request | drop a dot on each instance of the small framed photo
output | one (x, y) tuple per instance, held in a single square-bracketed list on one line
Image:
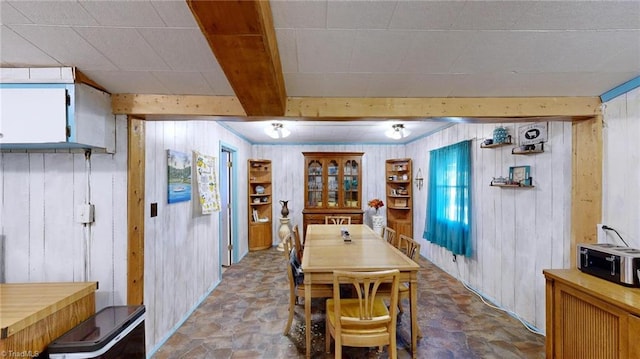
[(520, 175)]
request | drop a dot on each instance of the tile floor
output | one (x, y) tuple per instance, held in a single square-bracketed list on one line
[(244, 317)]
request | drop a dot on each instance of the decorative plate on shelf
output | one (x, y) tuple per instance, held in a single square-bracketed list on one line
[(259, 190)]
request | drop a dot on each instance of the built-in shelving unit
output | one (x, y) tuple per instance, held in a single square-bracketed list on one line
[(399, 203), (260, 202)]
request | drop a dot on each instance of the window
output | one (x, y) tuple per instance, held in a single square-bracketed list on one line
[(448, 218)]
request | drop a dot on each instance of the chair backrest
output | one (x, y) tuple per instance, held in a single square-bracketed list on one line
[(408, 246), (293, 263), (366, 286), (295, 235), (337, 220), (287, 245), (389, 235)]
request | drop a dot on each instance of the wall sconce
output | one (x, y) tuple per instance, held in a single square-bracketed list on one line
[(419, 180)]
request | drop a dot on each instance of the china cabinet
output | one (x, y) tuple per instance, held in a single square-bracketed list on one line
[(332, 186), (399, 204), (260, 202)]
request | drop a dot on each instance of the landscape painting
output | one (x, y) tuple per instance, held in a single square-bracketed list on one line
[(179, 176)]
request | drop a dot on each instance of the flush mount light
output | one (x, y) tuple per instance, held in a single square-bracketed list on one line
[(397, 132), (276, 130)]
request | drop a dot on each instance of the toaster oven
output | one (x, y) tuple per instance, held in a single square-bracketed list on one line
[(611, 262)]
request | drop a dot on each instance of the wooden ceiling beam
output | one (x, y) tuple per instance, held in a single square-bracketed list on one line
[(242, 37), (491, 108), (443, 107), (178, 105)]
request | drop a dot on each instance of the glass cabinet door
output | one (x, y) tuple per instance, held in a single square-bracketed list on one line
[(332, 183), (351, 184), (315, 185)]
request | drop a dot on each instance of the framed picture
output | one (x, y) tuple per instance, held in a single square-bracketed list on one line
[(179, 176), (532, 134), (520, 175)]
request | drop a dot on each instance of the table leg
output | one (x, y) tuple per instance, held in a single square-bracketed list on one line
[(413, 300), (307, 314)]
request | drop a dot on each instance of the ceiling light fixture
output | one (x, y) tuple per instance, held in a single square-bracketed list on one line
[(276, 130), (397, 132)]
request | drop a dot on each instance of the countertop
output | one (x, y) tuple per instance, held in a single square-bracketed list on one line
[(23, 304), (627, 298)]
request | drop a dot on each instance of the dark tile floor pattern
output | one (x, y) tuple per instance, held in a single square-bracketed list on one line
[(244, 317)]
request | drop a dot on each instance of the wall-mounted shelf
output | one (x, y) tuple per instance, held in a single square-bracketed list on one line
[(511, 185), (494, 145), (528, 149)]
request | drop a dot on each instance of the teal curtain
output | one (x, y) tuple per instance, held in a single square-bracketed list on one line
[(448, 219)]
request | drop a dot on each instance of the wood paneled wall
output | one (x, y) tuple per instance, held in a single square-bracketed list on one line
[(182, 261), (516, 232), (288, 175), (621, 168), (43, 242)]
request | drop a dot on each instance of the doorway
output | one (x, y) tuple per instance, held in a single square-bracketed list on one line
[(227, 214)]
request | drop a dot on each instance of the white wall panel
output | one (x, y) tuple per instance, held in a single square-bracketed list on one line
[(16, 223), (43, 242), (512, 236), (621, 168), (182, 256), (35, 196)]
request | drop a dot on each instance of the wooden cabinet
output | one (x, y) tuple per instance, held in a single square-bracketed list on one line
[(32, 315), (332, 186), (589, 317), (399, 188), (260, 202), (634, 343), (67, 116)]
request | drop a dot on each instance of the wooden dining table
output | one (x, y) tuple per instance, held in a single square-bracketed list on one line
[(326, 251)]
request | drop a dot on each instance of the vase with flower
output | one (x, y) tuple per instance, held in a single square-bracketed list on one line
[(377, 220)]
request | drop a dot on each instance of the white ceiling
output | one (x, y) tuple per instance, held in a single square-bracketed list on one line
[(342, 48), (335, 132)]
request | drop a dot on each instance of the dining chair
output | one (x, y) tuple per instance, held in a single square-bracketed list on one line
[(389, 234), (299, 245), (337, 220), (408, 247), (296, 288), (364, 321)]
